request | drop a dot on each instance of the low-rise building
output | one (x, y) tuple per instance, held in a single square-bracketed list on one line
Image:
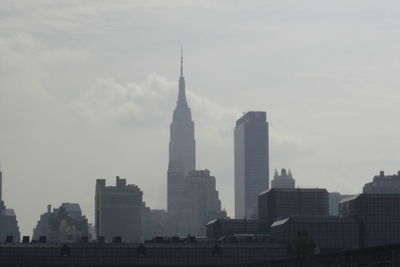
[(378, 216), (329, 233), (280, 203), (228, 227)]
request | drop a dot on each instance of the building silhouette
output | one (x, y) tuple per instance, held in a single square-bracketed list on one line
[(281, 203), (251, 162), (8, 220), (378, 216), (329, 233), (182, 145), (118, 211), (334, 200), (383, 184), (284, 180), (182, 154), (64, 224), (200, 203)]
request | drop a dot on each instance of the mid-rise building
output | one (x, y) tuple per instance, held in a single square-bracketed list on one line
[(64, 224), (328, 233), (284, 180), (281, 203), (118, 211), (251, 162), (8, 220), (378, 216), (383, 184), (200, 203)]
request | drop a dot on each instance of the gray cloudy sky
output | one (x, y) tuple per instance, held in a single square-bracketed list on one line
[(87, 90)]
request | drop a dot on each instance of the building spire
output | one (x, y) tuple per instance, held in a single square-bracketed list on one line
[(181, 61), (182, 94)]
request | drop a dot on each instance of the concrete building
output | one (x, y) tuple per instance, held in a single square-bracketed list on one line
[(65, 224), (378, 216), (118, 210), (284, 180), (251, 162), (229, 227), (8, 220), (383, 184), (200, 203), (281, 203), (329, 233)]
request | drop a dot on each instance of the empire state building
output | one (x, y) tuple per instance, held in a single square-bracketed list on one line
[(182, 145), (182, 152)]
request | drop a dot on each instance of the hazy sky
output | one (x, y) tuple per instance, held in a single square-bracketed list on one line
[(87, 90)]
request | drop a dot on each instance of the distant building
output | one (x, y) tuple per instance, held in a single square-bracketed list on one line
[(8, 219), (251, 162), (383, 184), (182, 154), (378, 216), (154, 222), (334, 200), (200, 203), (65, 224), (282, 203), (329, 233), (118, 211), (228, 227), (285, 180), (182, 145), (174, 195)]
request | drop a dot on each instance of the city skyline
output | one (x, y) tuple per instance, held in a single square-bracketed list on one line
[(78, 103)]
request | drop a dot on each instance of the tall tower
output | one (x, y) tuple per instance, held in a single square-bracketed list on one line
[(251, 162), (182, 154), (182, 145)]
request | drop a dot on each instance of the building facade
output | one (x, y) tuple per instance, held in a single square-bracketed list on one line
[(200, 203), (334, 200), (251, 162), (281, 203), (378, 216), (64, 224), (118, 211), (8, 219), (284, 180), (329, 233), (383, 184)]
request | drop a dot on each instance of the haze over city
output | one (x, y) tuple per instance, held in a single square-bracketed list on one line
[(87, 90)]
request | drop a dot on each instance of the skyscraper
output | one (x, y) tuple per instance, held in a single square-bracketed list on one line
[(182, 150), (251, 162), (182, 145)]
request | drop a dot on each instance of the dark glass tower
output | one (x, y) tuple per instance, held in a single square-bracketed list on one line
[(182, 148), (251, 162)]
